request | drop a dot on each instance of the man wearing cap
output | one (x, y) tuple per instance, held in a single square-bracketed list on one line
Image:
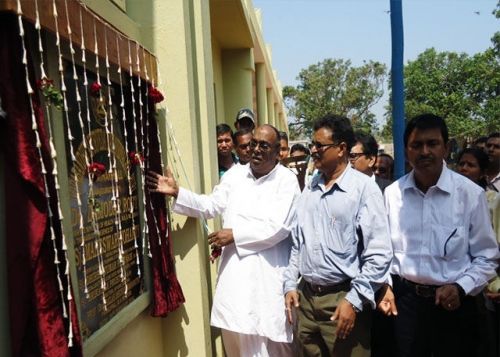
[(257, 204), (245, 119)]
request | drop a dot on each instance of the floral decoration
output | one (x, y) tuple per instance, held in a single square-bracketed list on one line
[(51, 94), (216, 252), (96, 169), (135, 158), (155, 95), (95, 89)]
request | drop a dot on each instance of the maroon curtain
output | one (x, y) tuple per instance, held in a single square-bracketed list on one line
[(37, 326), (167, 292)]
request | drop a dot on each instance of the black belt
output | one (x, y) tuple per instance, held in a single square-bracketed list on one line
[(422, 290), (329, 289)]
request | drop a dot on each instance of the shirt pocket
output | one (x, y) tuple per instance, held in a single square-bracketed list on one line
[(341, 238), (448, 243)]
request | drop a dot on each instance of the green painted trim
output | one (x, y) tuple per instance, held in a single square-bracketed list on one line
[(4, 301)]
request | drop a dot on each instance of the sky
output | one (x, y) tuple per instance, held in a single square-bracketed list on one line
[(305, 32)]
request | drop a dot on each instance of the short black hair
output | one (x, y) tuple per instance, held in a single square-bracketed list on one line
[(368, 142), (481, 139), (496, 134), (299, 147), (241, 132), (340, 127), (479, 154), (223, 129), (424, 122), (283, 136)]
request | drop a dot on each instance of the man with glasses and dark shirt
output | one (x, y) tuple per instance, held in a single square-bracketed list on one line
[(363, 157), (341, 249), (257, 204)]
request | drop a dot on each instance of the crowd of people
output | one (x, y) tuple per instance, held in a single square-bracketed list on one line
[(325, 254)]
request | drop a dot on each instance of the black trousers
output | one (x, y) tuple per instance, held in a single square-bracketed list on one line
[(422, 329)]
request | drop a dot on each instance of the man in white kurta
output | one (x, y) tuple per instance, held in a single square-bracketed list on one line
[(256, 202)]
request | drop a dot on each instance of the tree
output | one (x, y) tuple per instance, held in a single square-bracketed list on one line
[(461, 88), (334, 86)]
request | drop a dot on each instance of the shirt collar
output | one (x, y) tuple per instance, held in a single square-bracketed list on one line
[(444, 183), (343, 182), (250, 173)]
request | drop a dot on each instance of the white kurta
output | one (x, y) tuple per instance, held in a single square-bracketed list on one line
[(249, 293)]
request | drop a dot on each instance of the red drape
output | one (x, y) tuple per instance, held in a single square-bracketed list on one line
[(167, 292), (37, 326)]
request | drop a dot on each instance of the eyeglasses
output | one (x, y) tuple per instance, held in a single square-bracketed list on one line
[(353, 156), (263, 145), (319, 146)]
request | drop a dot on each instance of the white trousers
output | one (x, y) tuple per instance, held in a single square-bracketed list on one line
[(241, 345)]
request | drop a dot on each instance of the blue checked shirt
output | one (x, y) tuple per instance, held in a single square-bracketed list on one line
[(341, 233)]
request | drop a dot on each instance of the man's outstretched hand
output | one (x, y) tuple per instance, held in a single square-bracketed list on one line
[(162, 184)]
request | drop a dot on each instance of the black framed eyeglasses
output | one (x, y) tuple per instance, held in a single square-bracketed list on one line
[(319, 146), (353, 156), (263, 145)]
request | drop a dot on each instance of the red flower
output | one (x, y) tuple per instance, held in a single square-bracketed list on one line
[(96, 169), (135, 158), (155, 95), (44, 83), (216, 252), (95, 89)]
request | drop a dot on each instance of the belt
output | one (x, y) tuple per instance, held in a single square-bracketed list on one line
[(328, 289), (422, 290)]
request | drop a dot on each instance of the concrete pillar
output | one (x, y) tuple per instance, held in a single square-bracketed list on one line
[(260, 74), (270, 107), (237, 74)]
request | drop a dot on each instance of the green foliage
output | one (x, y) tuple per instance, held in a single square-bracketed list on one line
[(334, 86), (463, 89)]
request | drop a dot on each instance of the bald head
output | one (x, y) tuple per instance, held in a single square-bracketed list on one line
[(265, 145)]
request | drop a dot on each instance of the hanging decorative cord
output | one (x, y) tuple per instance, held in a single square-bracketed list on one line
[(38, 145), (88, 154), (129, 166), (136, 141), (114, 182), (142, 171), (146, 148), (80, 120), (145, 141), (175, 149), (98, 240), (70, 138)]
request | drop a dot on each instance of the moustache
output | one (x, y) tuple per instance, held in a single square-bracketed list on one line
[(424, 158)]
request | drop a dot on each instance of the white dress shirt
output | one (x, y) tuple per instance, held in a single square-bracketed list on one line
[(443, 236), (249, 293)]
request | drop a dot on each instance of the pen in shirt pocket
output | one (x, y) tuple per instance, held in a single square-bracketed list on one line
[(448, 239)]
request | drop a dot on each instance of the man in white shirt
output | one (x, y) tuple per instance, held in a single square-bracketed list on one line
[(256, 202), (444, 249)]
